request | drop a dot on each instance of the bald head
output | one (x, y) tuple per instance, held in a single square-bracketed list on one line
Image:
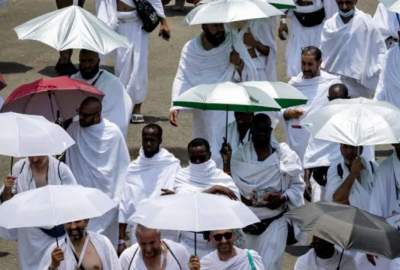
[(338, 90)]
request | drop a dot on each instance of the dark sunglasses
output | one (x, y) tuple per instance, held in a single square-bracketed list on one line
[(227, 236)]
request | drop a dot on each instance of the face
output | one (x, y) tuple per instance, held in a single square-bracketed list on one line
[(38, 160), (88, 64), (346, 5), (199, 154), (244, 119), (214, 33), (76, 230), (150, 142), (349, 152), (322, 248), (149, 242), (223, 240), (260, 135), (89, 115), (309, 66)]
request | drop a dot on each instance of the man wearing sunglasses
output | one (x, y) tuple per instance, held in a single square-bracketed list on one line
[(270, 180), (226, 256)]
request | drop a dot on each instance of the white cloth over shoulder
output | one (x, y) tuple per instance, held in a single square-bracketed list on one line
[(360, 191), (263, 30), (106, 11), (145, 179), (316, 90), (388, 88), (310, 261), (240, 262), (100, 159), (177, 257), (32, 242), (103, 246), (341, 42), (387, 22), (117, 105)]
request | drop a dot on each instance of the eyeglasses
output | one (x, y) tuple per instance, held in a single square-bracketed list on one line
[(227, 236)]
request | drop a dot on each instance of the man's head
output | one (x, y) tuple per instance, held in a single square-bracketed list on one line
[(261, 131), (199, 151), (223, 240), (151, 139), (214, 33), (322, 248), (244, 119), (76, 230), (346, 7), (338, 90), (310, 62), (38, 160), (149, 241), (90, 112), (89, 64), (350, 152)]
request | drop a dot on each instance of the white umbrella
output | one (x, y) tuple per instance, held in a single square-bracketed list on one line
[(72, 28), (358, 121), (53, 205), (284, 94), (225, 11), (391, 5), (194, 212), (26, 135)]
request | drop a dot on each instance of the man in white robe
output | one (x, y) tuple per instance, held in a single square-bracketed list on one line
[(324, 256), (116, 103), (343, 45), (205, 59), (99, 159), (351, 180), (255, 42), (202, 175), (152, 252), (226, 256), (388, 24), (270, 180), (306, 22), (388, 88), (81, 249), (131, 63), (27, 174), (150, 173)]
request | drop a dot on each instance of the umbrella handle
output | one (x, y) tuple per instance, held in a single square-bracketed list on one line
[(11, 165), (340, 260), (195, 243), (57, 241)]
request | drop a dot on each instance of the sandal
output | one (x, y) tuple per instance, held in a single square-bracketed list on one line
[(137, 118)]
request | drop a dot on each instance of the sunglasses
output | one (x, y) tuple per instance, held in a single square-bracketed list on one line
[(227, 236)]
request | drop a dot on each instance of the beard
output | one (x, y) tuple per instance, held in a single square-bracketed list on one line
[(215, 39), (76, 234), (89, 74)]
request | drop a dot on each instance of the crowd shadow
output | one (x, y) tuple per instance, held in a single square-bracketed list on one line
[(13, 67), (169, 12), (4, 254), (154, 119), (50, 71)]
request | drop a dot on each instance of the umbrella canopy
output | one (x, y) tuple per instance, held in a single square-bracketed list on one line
[(194, 212), (226, 96), (31, 135), (225, 11), (282, 4), (2, 82), (357, 121), (54, 205), (284, 94), (72, 28), (391, 5), (50, 97), (348, 227)]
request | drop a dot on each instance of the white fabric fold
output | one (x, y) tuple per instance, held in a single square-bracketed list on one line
[(386, 21), (106, 11), (310, 261), (239, 262)]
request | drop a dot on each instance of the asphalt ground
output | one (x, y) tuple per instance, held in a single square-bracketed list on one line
[(25, 61)]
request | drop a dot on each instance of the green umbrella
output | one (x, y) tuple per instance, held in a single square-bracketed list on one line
[(226, 97), (284, 94), (282, 4)]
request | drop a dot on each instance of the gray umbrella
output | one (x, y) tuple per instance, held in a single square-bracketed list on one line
[(348, 227)]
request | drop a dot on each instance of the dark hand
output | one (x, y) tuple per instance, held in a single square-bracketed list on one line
[(283, 31), (249, 40), (274, 200), (221, 190), (226, 151), (57, 256)]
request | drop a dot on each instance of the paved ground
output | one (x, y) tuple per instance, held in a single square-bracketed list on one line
[(25, 61)]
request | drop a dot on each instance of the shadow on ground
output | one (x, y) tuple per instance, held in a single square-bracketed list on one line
[(13, 67)]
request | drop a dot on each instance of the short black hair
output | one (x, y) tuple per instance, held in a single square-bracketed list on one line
[(312, 50), (90, 100), (261, 119), (154, 126), (199, 142), (341, 87), (85, 51)]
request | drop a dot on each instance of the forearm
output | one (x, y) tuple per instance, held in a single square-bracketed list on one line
[(261, 48), (342, 194), (122, 231), (6, 195)]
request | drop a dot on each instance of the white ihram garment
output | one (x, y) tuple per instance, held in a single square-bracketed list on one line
[(387, 22), (239, 262), (310, 261)]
